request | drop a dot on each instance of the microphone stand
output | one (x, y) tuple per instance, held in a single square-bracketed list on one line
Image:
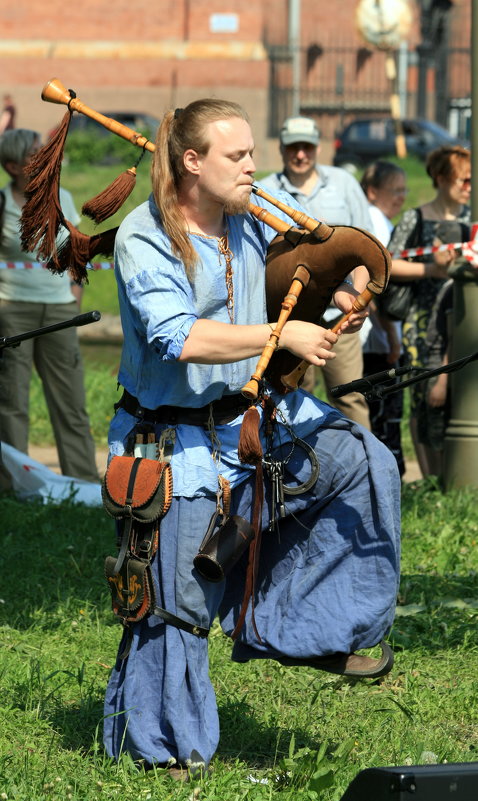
[(80, 319), (376, 386)]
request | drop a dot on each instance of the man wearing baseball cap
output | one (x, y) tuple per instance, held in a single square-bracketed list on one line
[(333, 195)]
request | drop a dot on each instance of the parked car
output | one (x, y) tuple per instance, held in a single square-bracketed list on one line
[(364, 140)]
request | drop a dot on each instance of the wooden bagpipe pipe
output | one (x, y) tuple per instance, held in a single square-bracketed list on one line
[(310, 259)]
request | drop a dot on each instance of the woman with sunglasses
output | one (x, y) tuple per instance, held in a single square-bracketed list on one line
[(449, 167)]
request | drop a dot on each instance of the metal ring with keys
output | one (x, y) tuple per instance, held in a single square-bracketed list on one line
[(314, 470)]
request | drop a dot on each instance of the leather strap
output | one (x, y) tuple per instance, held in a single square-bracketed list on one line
[(223, 410), (128, 517), (174, 620)]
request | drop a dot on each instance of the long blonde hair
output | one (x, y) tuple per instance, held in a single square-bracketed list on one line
[(179, 131)]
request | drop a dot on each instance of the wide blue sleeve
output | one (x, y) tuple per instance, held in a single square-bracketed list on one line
[(154, 292)]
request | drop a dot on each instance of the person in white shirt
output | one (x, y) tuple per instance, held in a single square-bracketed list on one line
[(333, 195), (31, 299), (384, 185)]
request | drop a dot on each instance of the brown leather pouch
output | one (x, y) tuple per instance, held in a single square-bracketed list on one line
[(137, 492), (138, 488), (132, 592)]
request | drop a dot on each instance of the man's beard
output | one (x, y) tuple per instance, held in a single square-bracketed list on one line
[(237, 206)]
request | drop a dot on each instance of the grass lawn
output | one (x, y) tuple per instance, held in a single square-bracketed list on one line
[(291, 734)]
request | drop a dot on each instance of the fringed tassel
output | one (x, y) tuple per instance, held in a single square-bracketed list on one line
[(110, 200), (41, 214), (253, 562), (250, 451), (75, 253), (249, 448)]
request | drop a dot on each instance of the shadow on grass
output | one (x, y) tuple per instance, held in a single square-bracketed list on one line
[(245, 737), (80, 728), (436, 613)]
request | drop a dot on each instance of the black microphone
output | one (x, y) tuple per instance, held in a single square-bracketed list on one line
[(87, 317), (364, 384), (80, 319)]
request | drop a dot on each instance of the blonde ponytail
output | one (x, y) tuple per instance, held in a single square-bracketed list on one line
[(179, 131)]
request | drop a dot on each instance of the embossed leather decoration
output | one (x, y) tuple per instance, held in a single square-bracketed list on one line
[(132, 593)]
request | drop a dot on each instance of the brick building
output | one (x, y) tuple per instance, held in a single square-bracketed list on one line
[(151, 56)]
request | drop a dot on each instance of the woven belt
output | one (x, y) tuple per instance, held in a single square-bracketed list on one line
[(222, 410)]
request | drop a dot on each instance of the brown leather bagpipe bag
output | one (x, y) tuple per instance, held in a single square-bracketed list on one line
[(329, 255), (137, 493)]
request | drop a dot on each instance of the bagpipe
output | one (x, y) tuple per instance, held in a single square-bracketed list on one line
[(309, 259)]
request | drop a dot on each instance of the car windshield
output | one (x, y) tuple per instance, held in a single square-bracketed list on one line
[(363, 130), (438, 130)]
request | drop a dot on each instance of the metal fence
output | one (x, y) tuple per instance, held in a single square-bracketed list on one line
[(339, 83)]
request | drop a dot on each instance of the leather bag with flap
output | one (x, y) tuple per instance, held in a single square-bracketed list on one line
[(137, 492)]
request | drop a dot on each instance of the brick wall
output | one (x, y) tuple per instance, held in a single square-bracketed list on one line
[(151, 56)]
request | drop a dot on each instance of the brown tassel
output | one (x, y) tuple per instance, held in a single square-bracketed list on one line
[(110, 200), (75, 253), (249, 448), (253, 562), (41, 214), (249, 451)]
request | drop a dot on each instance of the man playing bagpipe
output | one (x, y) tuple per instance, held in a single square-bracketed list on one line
[(309, 497)]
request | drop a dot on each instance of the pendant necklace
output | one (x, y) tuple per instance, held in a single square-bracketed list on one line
[(224, 250)]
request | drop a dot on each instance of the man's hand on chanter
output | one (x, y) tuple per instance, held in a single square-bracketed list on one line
[(344, 298), (308, 341)]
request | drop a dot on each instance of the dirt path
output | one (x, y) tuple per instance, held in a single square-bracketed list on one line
[(48, 457)]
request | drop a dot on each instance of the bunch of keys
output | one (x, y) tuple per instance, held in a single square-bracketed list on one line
[(275, 471)]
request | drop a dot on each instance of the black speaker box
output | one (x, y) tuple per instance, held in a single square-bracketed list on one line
[(456, 781)]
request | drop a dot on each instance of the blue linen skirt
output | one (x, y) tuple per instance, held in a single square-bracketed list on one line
[(328, 583)]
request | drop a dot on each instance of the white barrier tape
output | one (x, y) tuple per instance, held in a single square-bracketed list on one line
[(35, 265), (425, 251), (469, 249)]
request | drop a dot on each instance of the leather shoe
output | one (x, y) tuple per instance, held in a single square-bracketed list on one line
[(353, 665)]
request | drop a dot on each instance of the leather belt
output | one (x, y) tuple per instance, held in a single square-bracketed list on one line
[(222, 410)]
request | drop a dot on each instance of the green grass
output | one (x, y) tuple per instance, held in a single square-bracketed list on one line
[(307, 734)]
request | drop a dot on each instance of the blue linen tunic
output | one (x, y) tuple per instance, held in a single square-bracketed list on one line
[(327, 584)]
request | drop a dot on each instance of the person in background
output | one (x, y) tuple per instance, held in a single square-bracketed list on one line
[(449, 168), (385, 187), (7, 117), (30, 299), (334, 196)]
